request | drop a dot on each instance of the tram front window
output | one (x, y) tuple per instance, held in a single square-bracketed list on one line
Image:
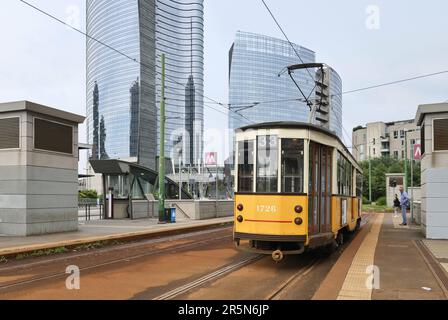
[(267, 164), (292, 165), (245, 166)]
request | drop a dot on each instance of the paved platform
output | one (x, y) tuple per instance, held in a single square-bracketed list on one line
[(387, 261), (103, 230)]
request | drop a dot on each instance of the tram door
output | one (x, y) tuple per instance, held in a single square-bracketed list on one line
[(320, 188)]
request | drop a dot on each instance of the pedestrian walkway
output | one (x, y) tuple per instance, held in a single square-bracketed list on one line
[(355, 286), (387, 261), (104, 230)]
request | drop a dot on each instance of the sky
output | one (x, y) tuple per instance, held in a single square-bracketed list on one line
[(366, 42)]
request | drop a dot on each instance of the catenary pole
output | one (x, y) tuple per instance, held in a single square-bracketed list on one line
[(162, 149)]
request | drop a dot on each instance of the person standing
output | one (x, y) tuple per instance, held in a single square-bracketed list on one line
[(404, 202), (396, 205)]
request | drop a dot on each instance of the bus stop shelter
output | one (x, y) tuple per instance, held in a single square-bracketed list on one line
[(128, 186)]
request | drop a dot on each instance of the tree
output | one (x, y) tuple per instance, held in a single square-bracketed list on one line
[(382, 166)]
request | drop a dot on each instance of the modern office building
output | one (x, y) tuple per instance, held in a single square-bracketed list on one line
[(255, 62), (123, 94), (380, 139)]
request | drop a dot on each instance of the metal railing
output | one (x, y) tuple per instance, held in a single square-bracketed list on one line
[(90, 209)]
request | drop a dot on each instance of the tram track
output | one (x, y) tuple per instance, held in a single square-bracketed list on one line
[(276, 294), (220, 273), (208, 278), (291, 281), (109, 249), (155, 251), (225, 274)]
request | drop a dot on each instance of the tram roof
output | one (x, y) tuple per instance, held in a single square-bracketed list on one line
[(297, 125)]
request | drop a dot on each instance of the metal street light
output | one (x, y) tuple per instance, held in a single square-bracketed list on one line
[(370, 169)]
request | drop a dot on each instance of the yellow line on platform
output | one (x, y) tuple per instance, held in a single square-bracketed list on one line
[(355, 285)]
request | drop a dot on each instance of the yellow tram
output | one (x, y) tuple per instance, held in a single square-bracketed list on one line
[(297, 187)]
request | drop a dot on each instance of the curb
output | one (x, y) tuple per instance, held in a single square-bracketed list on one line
[(126, 237), (434, 266)]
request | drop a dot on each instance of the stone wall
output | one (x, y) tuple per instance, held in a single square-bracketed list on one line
[(185, 209)]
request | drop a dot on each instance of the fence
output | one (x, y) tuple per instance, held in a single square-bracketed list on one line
[(90, 209)]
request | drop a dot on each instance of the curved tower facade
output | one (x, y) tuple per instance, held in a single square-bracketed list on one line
[(180, 35), (255, 62), (336, 103), (123, 96)]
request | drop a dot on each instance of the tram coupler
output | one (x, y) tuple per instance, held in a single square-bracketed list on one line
[(277, 256)]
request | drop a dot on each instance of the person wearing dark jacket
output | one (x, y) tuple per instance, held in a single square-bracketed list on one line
[(396, 205)]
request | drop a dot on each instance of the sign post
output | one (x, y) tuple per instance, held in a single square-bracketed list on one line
[(412, 183), (417, 155)]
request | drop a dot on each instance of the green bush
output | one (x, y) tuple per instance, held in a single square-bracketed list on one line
[(87, 194), (382, 201), (365, 200)]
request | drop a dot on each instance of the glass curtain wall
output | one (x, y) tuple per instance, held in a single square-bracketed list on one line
[(180, 36)]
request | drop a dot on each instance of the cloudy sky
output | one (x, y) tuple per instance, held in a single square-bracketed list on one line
[(367, 42)]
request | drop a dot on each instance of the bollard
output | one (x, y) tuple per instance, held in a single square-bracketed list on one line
[(173, 215)]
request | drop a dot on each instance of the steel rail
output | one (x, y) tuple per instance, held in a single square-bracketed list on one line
[(133, 245), (208, 278), (111, 262)]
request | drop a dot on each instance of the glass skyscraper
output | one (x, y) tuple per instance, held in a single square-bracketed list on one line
[(180, 35), (123, 96), (257, 74)]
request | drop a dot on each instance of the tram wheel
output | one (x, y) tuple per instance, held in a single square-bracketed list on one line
[(340, 239), (358, 225), (329, 248)]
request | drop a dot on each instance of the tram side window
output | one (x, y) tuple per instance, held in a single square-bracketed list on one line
[(349, 177), (292, 165), (267, 164), (358, 184), (345, 176), (245, 166)]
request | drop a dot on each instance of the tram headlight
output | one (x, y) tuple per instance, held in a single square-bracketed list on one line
[(240, 219), (240, 207), (298, 209), (298, 221)]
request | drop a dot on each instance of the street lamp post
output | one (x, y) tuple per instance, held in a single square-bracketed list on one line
[(412, 184), (370, 177), (180, 177), (406, 160), (370, 170)]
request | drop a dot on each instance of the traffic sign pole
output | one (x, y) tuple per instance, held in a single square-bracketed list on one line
[(412, 183)]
